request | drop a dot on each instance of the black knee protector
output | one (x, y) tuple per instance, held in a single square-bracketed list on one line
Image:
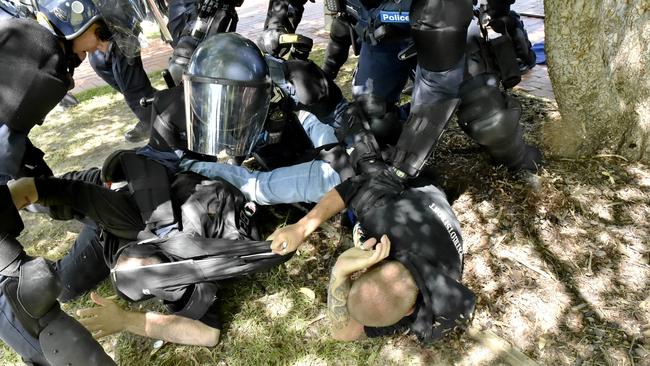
[(439, 30), (338, 47), (492, 120), (420, 135), (63, 340)]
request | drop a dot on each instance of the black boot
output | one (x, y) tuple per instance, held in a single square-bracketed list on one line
[(140, 132)]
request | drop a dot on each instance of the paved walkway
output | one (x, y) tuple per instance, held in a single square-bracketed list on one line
[(251, 20)]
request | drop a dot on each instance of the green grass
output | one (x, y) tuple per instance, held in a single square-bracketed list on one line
[(560, 274)]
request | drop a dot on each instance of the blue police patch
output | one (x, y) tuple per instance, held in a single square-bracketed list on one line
[(394, 16)]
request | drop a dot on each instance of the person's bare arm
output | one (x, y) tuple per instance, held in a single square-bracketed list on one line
[(343, 327), (109, 318), (289, 238)]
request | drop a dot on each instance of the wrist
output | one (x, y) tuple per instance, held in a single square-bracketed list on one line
[(340, 272)]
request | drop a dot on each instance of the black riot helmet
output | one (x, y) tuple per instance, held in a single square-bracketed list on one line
[(227, 95), (120, 20)]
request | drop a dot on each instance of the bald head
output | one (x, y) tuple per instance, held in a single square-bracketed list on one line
[(383, 295)]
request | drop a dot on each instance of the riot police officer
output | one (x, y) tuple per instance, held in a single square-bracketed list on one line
[(42, 57), (381, 32)]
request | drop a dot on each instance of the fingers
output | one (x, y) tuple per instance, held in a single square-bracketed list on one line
[(87, 312), (97, 299), (381, 250), (369, 244), (279, 245)]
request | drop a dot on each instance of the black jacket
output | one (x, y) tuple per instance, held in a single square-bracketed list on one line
[(35, 76)]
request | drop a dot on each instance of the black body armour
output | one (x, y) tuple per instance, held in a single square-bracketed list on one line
[(37, 75)]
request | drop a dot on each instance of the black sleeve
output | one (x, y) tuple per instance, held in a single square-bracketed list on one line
[(211, 317), (349, 188), (399, 327), (115, 211)]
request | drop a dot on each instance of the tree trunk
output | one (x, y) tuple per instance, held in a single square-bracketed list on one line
[(599, 64)]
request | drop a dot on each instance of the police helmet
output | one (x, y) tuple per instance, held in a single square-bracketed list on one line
[(227, 95), (70, 18)]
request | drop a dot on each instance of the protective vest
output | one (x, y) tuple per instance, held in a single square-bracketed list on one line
[(35, 77), (387, 21)]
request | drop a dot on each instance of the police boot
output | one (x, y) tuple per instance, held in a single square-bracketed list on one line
[(138, 133), (142, 130)]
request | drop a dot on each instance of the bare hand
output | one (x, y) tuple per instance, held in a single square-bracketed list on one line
[(103, 320), (287, 239), (356, 259), (23, 192)]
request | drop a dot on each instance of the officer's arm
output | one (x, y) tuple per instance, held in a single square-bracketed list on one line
[(283, 16), (109, 318)]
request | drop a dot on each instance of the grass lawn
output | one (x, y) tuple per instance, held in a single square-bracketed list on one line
[(561, 274)]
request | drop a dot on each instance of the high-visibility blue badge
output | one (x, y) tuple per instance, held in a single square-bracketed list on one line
[(394, 16)]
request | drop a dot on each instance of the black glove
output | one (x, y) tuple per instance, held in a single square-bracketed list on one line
[(377, 191), (269, 42)]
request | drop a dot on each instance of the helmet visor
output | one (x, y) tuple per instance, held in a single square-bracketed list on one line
[(123, 19), (224, 115)]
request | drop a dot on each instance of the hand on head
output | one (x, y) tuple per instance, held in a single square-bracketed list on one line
[(23, 192), (359, 258)]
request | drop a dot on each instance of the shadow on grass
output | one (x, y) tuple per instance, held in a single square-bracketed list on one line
[(561, 273)]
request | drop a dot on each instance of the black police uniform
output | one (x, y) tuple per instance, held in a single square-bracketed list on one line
[(40, 76)]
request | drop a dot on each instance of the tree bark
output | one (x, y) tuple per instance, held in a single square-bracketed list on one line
[(599, 63)]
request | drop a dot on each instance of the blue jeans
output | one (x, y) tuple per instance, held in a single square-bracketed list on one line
[(306, 182)]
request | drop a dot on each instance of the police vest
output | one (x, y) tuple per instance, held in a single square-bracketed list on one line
[(392, 15)]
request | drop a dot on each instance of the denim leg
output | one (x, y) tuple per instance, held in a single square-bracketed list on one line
[(319, 133), (431, 87), (15, 336), (84, 266), (306, 182)]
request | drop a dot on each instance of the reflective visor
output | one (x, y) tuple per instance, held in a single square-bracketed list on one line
[(224, 115)]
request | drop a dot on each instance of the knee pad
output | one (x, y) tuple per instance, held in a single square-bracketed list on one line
[(38, 287), (487, 116), (439, 30), (492, 120), (64, 341), (495, 128)]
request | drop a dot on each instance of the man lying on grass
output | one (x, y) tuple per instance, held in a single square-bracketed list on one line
[(166, 239), (410, 278)]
